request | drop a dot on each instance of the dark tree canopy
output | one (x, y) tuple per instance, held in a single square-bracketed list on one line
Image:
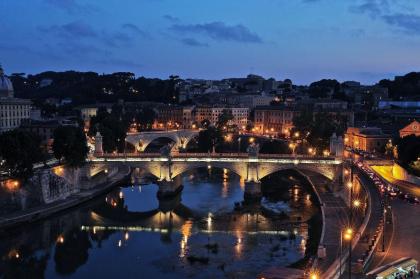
[(224, 118), (70, 145), (91, 87), (408, 149), (20, 150), (208, 137), (323, 88), (404, 86)]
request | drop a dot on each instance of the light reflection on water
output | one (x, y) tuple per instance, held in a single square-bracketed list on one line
[(130, 232)]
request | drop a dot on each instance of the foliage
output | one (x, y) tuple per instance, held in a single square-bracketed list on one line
[(322, 88), (209, 137), (317, 130), (20, 150), (408, 149), (405, 86), (90, 87), (112, 126), (224, 118), (70, 144)]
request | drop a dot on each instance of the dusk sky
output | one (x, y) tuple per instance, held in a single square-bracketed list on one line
[(304, 40)]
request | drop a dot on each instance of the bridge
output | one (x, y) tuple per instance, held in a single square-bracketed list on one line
[(251, 166), (168, 166), (141, 140)]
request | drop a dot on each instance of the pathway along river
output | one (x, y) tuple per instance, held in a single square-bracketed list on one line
[(200, 234)]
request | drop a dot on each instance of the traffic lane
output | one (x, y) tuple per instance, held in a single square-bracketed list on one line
[(404, 186), (405, 241)]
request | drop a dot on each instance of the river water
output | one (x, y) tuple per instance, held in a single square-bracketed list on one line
[(205, 232)]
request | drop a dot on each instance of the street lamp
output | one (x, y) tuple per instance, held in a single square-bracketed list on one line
[(348, 236), (356, 203), (239, 145), (292, 146)]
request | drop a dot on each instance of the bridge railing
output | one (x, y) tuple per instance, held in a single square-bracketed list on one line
[(215, 155)]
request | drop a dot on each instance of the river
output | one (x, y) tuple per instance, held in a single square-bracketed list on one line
[(205, 232)]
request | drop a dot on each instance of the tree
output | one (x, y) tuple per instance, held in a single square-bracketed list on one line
[(207, 138), (224, 118), (205, 123), (323, 88), (408, 149), (70, 144), (20, 150), (112, 126)]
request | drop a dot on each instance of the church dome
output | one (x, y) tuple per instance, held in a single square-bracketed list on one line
[(6, 86)]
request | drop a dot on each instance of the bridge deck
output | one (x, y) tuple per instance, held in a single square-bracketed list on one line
[(217, 157)]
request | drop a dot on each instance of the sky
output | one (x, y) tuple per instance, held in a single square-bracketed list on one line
[(304, 40)]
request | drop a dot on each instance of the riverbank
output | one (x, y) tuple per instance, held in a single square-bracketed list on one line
[(46, 210)]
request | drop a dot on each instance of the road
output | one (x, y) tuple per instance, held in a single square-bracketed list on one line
[(407, 187), (403, 238)]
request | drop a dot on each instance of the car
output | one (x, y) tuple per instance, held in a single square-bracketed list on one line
[(413, 200), (392, 194)]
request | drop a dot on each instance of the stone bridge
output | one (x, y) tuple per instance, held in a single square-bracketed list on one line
[(251, 167), (142, 139)]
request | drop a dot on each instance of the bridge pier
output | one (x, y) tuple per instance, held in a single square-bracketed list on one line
[(252, 191), (169, 189)]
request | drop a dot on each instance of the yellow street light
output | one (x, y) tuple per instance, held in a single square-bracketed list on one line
[(347, 236), (310, 150), (349, 184), (251, 140), (346, 172), (296, 134), (356, 203)]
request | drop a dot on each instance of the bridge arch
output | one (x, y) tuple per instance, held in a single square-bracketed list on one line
[(330, 172), (143, 139), (181, 169)]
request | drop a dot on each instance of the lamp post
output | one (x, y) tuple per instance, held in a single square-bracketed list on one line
[(239, 145), (348, 235)]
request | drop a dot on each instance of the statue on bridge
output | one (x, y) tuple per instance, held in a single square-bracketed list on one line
[(253, 150)]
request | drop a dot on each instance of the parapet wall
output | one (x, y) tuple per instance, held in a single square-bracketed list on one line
[(400, 173)]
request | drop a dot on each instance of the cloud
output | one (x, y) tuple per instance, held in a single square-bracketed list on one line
[(409, 23), (373, 8), (71, 6), (219, 31), (171, 18), (387, 12), (136, 30), (119, 62), (79, 30), (193, 42), (75, 29)]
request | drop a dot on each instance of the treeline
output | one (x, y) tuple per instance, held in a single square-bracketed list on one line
[(91, 87)]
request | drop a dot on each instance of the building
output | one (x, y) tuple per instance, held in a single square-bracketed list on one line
[(188, 117), (411, 129), (370, 139), (273, 120), (251, 100), (240, 115), (168, 117), (12, 110), (44, 129)]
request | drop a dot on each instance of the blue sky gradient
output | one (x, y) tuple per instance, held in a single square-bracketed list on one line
[(304, 40)]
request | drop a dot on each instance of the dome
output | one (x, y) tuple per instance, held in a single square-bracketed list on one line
[(6, 86)]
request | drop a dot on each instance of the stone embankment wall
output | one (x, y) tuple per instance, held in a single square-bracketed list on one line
[(400, 173), (54, 186)]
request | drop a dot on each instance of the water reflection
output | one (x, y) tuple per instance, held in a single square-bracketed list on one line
[(199, 233)]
